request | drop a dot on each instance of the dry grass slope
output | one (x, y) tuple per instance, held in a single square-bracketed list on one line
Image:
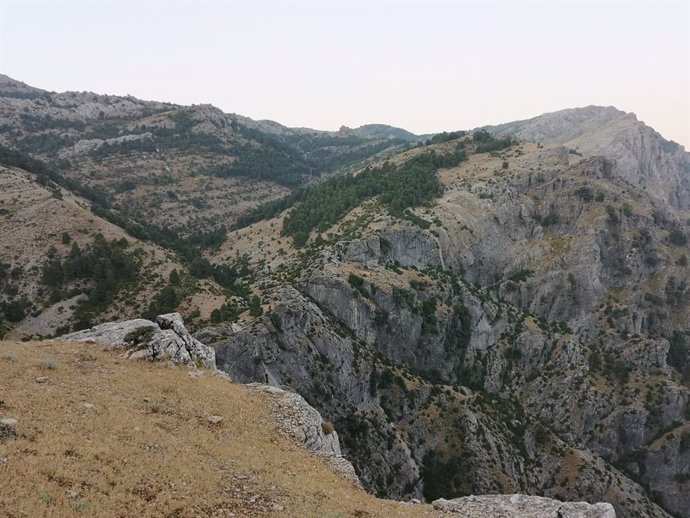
[(116, 438)]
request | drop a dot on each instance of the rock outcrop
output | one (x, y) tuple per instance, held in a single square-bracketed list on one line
[(296, 419), (522, 506), (166, 339)]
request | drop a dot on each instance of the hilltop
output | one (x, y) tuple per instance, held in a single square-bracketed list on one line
[(91, 441)]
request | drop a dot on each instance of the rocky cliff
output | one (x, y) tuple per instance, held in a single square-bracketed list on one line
[(524, 334)]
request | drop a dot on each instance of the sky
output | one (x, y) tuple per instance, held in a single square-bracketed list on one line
[(426, 66)]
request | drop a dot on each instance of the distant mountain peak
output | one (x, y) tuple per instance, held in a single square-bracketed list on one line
[(642, 157), (7, 84)]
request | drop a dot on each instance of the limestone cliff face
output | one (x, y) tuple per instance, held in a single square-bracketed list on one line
[(394, 425), (522, 506)]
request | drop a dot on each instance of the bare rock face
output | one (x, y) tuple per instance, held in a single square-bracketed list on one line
[(166, 339), (296, 419), (522, 506), (405, 244)]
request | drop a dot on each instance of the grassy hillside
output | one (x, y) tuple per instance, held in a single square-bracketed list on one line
[(107, 437)]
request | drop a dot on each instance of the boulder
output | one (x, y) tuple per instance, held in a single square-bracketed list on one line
[(167, 338)]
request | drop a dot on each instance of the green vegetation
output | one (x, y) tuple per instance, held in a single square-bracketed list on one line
[(403, 297), (485, 142), (446, 136), (106, 266), (679, 354), (585, 193), (398, 187), (16, 309), (141, 145), (165, 301), (522, 275), (459, 334), (428, 313), (550, 219), (446, 476), (358, 283), (228, 312), (266, 162), (255, 308), (678, 237), (188, 249)]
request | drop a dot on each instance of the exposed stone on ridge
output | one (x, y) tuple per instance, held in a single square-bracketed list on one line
[(522, 506), (166, 339), (296, 419)]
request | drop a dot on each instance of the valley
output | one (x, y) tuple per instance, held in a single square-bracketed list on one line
[(498, 310)]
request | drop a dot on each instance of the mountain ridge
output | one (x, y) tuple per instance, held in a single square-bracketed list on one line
[(477, 313)]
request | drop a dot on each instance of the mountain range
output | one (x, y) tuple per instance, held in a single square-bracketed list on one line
[(502, 309)]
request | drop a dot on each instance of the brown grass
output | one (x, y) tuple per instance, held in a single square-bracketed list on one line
[(146, 448)]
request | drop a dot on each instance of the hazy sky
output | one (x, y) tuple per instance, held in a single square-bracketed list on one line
[(426, 66)]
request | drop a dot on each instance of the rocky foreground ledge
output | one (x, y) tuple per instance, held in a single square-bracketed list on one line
[(168, 339), (521, 506)]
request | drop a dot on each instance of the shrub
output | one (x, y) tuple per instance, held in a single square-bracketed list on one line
[(685, 441), (358, 283), (275, 320), (380, 317), (327, 427), (613, 215), (446, 476), (678, 237), (551, 218), (585, 193), (627, 210), (522, 275), (255, 308)]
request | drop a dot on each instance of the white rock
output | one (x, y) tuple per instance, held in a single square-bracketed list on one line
[(214, 419), (166, 339), (522, 506), (9, 421)]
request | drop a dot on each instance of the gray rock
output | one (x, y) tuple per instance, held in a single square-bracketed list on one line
[(166, 339), (298, 420), (522, 506)]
